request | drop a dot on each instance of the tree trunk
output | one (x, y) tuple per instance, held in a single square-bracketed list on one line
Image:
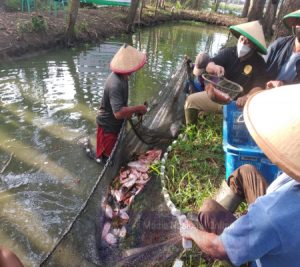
[(196, 4), (200, 4), (256, 10), (131, 15), (269, 17), (287, 7), (156, 6), (72, 17), (162, 4), (246, 9), (142, 5), (217, 5)]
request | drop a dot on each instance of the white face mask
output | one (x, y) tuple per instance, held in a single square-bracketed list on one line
[(242, 50)]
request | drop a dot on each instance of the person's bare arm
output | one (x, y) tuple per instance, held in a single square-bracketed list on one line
[(241, 101), (209, 243), (127, 112)]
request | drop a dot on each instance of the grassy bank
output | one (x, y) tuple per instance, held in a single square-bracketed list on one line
[(194, 170), (195, 166)]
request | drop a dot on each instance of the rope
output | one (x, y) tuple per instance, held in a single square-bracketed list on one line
[(140, 137), (171, 206), (7, 163)]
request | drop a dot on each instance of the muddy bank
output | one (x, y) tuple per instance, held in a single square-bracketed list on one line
[(18, 38)]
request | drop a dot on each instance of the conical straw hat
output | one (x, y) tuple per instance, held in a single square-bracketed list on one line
[(253, 31), (127, 60), (273, 120), (292, 19)]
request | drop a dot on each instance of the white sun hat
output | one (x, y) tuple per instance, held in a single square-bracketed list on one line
[(273, 120)]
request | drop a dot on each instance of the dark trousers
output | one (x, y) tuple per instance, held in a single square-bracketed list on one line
[(247, 182)]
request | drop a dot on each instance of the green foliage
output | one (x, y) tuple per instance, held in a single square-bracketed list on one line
[(195, 166), (38, 23), (12, 5), (178, 5), (205, 4), (213, 7), (83, 26), (23, 27), (194, 171)]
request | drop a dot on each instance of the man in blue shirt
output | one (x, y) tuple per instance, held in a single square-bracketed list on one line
[(268, 235)]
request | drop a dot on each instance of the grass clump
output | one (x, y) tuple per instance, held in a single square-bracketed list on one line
[(195, 166), (194, 171)]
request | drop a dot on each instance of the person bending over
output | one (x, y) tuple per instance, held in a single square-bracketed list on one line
[(113, 108)]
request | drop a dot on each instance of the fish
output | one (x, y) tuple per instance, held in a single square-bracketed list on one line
[(84, 233)]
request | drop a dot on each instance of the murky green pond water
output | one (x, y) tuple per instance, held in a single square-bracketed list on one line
[(47, 103)]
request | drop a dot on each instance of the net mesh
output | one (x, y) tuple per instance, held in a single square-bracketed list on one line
[(152, 235), (221, 83)]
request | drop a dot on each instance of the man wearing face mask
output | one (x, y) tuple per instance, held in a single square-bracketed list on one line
[(241, 64), (283, 56)]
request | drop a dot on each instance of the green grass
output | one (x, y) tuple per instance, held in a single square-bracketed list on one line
[(195, 166), (194, 171)]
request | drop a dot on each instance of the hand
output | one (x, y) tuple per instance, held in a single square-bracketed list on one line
[(188, 229), (272, 84), (241, 101), (217, 95), (218, 70), (214, 69), (141, 110)]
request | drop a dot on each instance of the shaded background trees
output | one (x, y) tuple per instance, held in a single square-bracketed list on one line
[(256, 9), (269, 12), (287, 6), (270, 16)]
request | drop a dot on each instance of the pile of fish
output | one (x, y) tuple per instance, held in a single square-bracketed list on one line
[(130, 182)]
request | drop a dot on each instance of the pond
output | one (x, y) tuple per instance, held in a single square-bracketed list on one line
[(48, 103)]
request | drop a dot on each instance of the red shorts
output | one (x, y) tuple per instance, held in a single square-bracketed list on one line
[(105, 142)]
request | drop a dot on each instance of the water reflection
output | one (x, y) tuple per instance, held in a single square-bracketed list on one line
[(46, 104)]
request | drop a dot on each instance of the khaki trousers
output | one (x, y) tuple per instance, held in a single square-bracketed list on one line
[(202, 102)]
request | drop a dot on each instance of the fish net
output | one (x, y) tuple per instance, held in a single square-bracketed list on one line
[(221, 83), (152, 232)]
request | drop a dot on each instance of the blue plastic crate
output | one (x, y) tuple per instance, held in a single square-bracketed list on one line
[(236, 157), (235, 132)]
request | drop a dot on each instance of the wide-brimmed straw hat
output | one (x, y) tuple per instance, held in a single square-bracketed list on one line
[(254, 32), (292, 19), (201, 62), (127, 60), (273, 120)]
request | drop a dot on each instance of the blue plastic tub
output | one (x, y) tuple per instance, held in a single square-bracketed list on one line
[(236, 157), (235, 132)]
